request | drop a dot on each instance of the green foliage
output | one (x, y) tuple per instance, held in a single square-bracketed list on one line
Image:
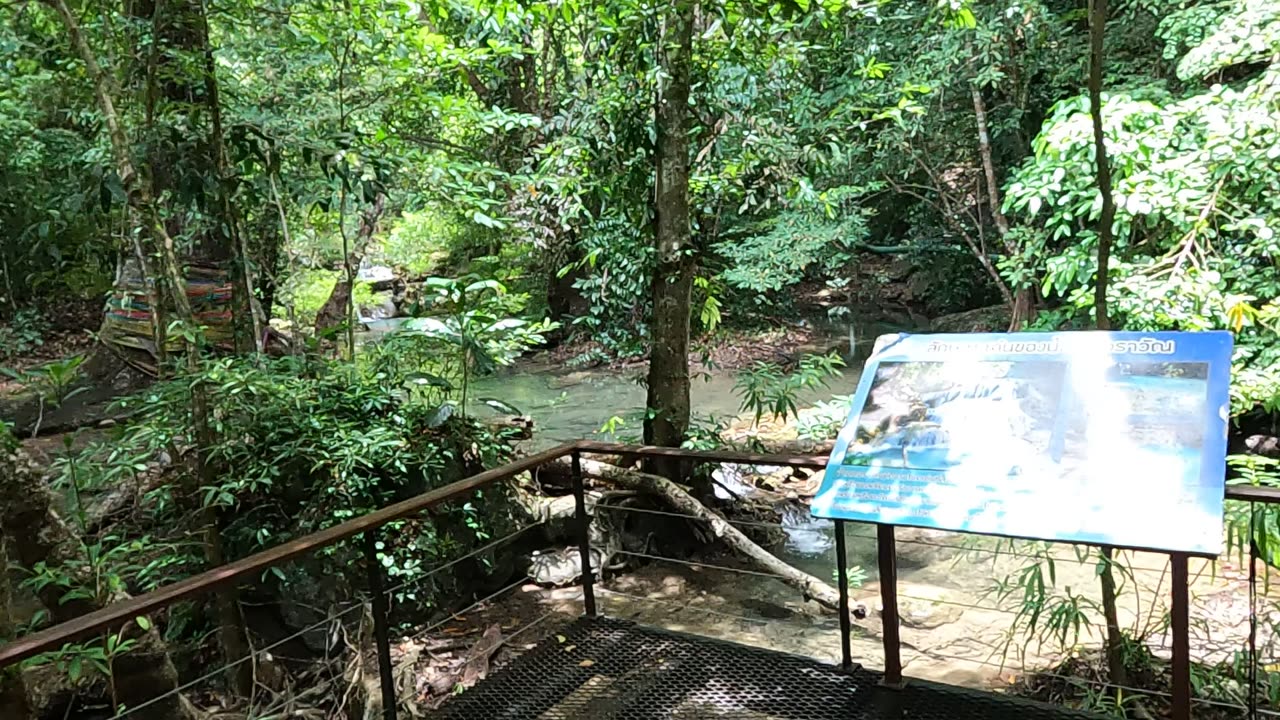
[(706, 432), (1255, 525), (825, 420), (53, 383), (708, 306), (475, 318), (22, 334), (615, 281), (297, 445), (417, 244), (1218, 36), (855, 575), (8, 441), (765, 388), (55, 203), (787, 247), (115, 564), (1047, 615), (307, 291), (1194, 171)]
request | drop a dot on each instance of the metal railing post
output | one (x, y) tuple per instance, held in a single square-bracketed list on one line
[(846, 625), (1253, 618), (381, 631), (1179, 624), (584, 536), (887, 563)]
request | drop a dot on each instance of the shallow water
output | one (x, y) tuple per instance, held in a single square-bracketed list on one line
[(568, 404), (571, 406)]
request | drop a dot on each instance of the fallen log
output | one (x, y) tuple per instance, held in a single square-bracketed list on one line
[(799, 447), (681, 501)]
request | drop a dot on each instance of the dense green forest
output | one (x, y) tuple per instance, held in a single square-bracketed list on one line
[(212, 212)]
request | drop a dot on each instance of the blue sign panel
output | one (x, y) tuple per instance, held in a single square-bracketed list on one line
[(1113, 438)]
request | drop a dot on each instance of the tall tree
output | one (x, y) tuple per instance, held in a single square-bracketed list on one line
[(143, 203), (1116, 671), (339, 310), (1097, 38), (667, 419), (1020, 300)]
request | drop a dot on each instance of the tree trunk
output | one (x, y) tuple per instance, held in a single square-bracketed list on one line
[(667, 419), (337, 309), (141, 196), (248, 335), (1116, 671), (1097, 37), (1024, 306), (230, 621), (988, 163), (35, 533), (1021, 301), (123, 363)]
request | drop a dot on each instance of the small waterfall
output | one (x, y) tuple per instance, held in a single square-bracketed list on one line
[(729, 479), (806, 535)]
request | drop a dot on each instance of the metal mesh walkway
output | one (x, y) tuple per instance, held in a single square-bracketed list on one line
[(608, 669)]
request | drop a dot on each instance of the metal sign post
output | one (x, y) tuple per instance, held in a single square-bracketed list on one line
[(887, 551)]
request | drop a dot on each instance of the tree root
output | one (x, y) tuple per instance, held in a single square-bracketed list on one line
[(811, 587)]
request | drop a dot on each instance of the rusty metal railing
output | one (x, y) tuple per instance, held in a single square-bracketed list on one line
[(120, 614)]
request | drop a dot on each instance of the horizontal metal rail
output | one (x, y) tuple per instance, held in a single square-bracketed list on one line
[(119, 614), (813, 462)]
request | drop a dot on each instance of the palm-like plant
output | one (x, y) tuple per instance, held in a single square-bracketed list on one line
[(476, 317)]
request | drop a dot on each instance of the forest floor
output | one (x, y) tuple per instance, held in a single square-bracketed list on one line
[(64, 329)]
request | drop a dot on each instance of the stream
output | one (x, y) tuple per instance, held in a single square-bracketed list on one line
[(570, 404)]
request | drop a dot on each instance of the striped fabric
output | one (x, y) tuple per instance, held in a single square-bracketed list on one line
[(129, 312)]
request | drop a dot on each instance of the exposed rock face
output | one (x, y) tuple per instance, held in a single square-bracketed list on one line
[(13, 691), (104, 378), (994, 318), (34, 533), (382, 307), (918, 548)]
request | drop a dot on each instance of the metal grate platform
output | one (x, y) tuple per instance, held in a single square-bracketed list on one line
[(603, 668)]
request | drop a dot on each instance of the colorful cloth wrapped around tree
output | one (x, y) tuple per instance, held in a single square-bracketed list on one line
[(129, 311)]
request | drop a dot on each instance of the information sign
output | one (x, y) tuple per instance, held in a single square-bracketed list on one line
[(1113, 438)]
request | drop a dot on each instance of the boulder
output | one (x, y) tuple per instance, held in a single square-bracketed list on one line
[(994, 318), (919, 548)]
